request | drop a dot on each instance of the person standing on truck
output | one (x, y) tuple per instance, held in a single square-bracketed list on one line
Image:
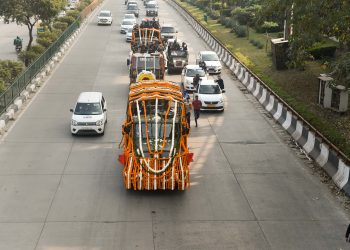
[(184, 46), (197, 104)]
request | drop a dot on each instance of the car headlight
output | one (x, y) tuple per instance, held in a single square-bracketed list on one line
[(221, 100), (99, 122), (74, 122)]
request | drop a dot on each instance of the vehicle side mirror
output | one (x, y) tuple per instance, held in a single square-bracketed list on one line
[(128, 62), (71, 110), (104, 110), (223, 91)]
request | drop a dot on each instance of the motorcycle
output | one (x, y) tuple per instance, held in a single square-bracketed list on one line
[(18, 48)]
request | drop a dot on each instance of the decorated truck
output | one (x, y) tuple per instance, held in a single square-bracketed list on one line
[(155, 132)]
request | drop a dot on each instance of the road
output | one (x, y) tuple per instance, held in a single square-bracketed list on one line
[(249, 190), (8, 33)]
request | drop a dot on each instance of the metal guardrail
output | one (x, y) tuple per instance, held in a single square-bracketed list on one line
[(286, 105), (22, 81)]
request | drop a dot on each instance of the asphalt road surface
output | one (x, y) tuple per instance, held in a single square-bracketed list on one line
[(249, 190), (8, 33)]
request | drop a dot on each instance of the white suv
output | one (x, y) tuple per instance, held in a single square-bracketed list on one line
[(89, 114), (105, 17)]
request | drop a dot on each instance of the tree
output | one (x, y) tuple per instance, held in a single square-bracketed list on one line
[(246, 15), (29, 12)]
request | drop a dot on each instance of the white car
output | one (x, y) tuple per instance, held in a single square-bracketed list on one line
[(130, 17), (211, 61), (210, 94), (187, 75), (105, 17), (126, 24), (89, 114), (133, 9), (168, 31), (129, 35)]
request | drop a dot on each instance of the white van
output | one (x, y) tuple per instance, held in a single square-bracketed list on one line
[(89, 114)]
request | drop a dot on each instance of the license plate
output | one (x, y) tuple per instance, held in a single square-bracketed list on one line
[(211, 105)]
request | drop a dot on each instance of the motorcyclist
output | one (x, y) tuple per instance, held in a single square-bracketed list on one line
[(18, 43)]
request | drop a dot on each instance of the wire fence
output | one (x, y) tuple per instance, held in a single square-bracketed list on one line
[(25, 78)]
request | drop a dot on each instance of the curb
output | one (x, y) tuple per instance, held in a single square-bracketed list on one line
[(319, 151), (37, 82)]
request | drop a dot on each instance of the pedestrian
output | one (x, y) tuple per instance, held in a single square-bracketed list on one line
[(188, 108), (220, 82), (347, 234), (196, 104), (203, 66), (195, 81)]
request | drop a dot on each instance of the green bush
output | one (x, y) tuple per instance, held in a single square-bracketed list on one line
[(66, 19), (3, 86), (257, 43), (227, 22), (9, 70), (38, 49), (28, 56), (60, 25), (240, 30), (216, 6), (270, 27), (44, 41), (322, 50), (215, 14), (73, 13), (226, 12), (51, 35)]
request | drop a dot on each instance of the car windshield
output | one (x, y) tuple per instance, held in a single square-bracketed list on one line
[(194, 72), (210, 57), (151, 6), (105, 14), (167, 30), (209, 89), (148, 63), (129, 16), (179, 53), (127, 22), (132, 7), (88, 109)]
